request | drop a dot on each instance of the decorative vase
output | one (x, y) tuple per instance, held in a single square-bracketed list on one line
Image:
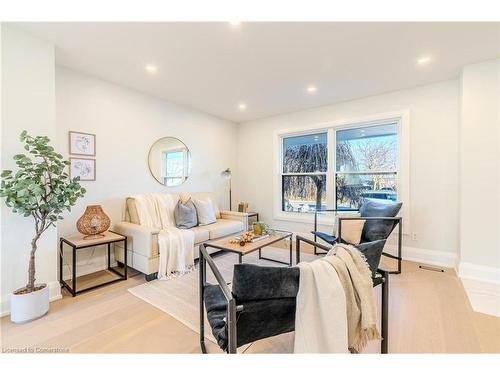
[(257, 228), (93, 222)]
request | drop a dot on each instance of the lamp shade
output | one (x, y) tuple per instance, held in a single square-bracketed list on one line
[(226, 173), (93, 222)]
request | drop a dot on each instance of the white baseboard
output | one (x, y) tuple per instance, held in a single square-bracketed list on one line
[(482, 285), (431, 257), (54, 294), (477, 272), (483, 297)]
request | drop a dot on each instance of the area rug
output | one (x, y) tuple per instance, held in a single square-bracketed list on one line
[(179, 297)]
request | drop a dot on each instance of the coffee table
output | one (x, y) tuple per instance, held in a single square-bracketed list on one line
[(250, 247)]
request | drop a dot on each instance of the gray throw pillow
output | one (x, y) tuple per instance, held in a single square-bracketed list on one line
[(185, 215), (372, 252), (378, 229)]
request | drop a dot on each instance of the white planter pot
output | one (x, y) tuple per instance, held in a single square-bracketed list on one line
[(30, 306)]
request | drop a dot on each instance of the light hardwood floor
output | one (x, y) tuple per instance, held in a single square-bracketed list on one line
[(429, 313)]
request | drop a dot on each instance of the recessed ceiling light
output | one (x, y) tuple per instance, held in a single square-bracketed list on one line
[(311, 89), (235, 23), (242, 106), (424, 60), (151, 68)]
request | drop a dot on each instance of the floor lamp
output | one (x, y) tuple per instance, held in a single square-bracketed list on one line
[(227, 175)]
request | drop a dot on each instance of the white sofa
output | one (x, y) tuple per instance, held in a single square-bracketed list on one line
[(143, 254)]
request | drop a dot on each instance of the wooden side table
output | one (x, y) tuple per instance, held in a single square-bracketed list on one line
[(77, 242)]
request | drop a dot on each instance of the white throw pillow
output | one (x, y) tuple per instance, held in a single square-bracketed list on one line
[(352, 230), (205, 210), (342, 214)]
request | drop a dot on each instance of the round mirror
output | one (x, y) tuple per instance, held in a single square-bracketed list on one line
[(169, 161)]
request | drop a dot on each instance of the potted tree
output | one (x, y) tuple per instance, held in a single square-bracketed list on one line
[(42, 189)]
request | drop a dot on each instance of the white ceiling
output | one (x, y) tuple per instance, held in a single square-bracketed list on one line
[(214, 66)]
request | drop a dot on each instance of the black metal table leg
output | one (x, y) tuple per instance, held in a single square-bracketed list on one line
[(73, 281), (291, 250), (109, 256), (240, 258), (125, 269), (60, 261)]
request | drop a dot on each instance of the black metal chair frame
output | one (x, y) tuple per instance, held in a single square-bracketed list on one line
[(398, 222), (228, 295), (233, 308)]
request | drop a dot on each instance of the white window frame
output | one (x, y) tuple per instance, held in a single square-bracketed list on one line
[(326, 174), (401, 118), (185, 166)]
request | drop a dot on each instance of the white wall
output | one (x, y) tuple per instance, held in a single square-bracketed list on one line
[(480, 169), (126, 123), (433, 176), (28, 102)]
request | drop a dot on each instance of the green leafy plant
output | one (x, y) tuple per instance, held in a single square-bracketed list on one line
[(40, 188)]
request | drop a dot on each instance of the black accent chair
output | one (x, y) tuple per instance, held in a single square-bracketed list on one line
[(380, 222), (262, 300)]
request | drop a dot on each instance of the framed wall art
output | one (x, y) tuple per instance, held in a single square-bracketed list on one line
[(84, 168), (82, 144)]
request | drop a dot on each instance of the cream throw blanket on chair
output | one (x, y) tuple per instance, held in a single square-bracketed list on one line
[(356, 279), (176, 245), (320, 317), (335, 305)]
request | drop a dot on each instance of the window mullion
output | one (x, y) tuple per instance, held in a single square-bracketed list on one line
[(330, 177)]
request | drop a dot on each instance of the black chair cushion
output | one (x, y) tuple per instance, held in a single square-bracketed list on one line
[(325, 237), (374, 230), (252, 282), (216, 306), (258, 319), (265, 318)]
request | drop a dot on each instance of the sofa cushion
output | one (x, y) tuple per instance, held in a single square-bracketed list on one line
[(224, 227), (201, 234), (205, 211), (378, 229), (185, 215), (133, 216), (131, 210), (202, 196)]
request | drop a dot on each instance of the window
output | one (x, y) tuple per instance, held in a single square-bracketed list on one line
[(366, 165), (363, 164), (303, 177), (175, 167)]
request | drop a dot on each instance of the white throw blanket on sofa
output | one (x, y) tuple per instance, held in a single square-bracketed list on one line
[(176, 245)]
